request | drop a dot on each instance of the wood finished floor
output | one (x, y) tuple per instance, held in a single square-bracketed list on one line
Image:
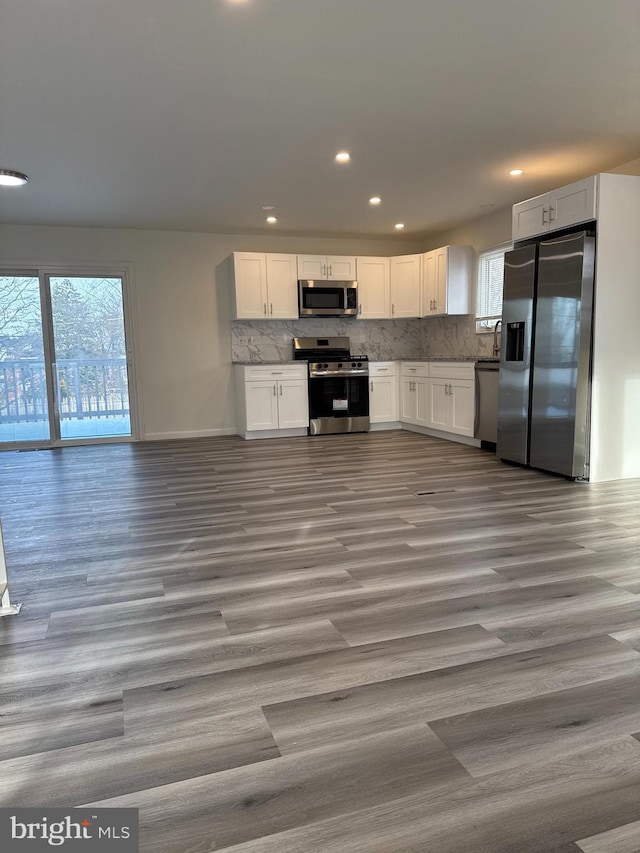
[(380, 643)]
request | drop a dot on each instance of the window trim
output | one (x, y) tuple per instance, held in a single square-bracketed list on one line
[(481, 321)]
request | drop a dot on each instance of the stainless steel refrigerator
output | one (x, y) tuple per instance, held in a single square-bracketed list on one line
[(545, 359)]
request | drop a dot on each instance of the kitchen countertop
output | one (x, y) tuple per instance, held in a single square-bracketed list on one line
[(472, 358)]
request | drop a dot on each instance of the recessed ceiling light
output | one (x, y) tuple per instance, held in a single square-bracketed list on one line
[(375, 200), (343, 156), (515, 172), (399, 225), (271, 220), (12, 179), (268, 207)]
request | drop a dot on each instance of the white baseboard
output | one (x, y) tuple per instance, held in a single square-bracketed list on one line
[(204, 433), (436, 433), (274, 433)]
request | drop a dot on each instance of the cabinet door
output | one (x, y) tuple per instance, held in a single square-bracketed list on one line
[(405, 285), (383, 399), (312, 267), (341, 268), (251, 285), (408, 401), (530, 217), (422, 402), (293, 403), (463, 408), (282, 287), (374, 289), (262, 404), (573, 204), (441, 278), (428, 283), (438, 416)]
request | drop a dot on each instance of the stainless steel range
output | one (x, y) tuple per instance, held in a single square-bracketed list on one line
[(338, 385)]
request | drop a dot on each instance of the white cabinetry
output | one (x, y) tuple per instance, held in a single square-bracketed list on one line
[(329, 267), (383, 392), (272, 398), (446, 281), (414, 391), (452, 397), (265, 286), (569, 205), (405, 275), (374, 288)]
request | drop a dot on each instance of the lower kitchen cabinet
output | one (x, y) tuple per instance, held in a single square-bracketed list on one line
[(383, 392), (414, 389), (452, 397), (272, 399)]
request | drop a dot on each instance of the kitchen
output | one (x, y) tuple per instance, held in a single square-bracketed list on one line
[(433, 395)]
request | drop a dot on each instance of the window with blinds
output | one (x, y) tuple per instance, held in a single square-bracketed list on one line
[(489, 288)]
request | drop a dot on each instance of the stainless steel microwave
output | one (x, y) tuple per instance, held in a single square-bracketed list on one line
[(327, 298)]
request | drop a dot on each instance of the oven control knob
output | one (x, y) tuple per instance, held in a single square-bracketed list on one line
[(340, 365), (353, 364), (359, 364), (326, 366)]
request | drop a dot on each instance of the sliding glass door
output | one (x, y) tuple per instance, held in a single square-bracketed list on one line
[(24, 401), (63, 360)]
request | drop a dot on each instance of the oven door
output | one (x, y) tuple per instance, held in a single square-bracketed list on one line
[(338, 404)]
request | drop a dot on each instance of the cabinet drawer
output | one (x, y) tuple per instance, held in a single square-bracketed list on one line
[(451, 370), (414, 368), (276, 371), (383, 368)]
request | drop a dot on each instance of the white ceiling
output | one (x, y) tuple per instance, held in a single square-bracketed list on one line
[(191, 115)]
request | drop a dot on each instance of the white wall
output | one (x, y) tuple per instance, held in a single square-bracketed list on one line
[(182, 308)]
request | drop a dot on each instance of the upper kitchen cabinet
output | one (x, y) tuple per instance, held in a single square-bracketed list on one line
[(265, 286), (374, 288), (446, 281), (405, 275), (569, 205), (326, 267)]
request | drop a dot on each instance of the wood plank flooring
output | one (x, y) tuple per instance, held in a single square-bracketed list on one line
[(380, 643)]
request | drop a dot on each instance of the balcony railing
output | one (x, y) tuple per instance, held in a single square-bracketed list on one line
[(86, 388)]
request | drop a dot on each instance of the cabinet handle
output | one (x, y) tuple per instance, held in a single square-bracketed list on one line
[(435, 304), (544, 221), (413, 369), (393, 309), (265, 309), (372, 385), (324, 270), (277, 372), (359, 309), (382, 369), (271, 308), (330, 270), (275, 393), (281, 390), (551, 216)]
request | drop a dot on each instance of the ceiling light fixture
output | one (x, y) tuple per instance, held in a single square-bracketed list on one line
[(515, 172), (268, 207), (12, 179), (399, 225), (343, 157), (375, 200), (271, 220)]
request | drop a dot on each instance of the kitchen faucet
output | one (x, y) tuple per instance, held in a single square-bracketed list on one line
[(496, 345)]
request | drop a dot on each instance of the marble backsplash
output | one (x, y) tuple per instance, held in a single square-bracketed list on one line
[(456, 337), (381, 340)]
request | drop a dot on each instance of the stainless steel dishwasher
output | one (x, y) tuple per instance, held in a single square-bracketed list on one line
[(486, 425)]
